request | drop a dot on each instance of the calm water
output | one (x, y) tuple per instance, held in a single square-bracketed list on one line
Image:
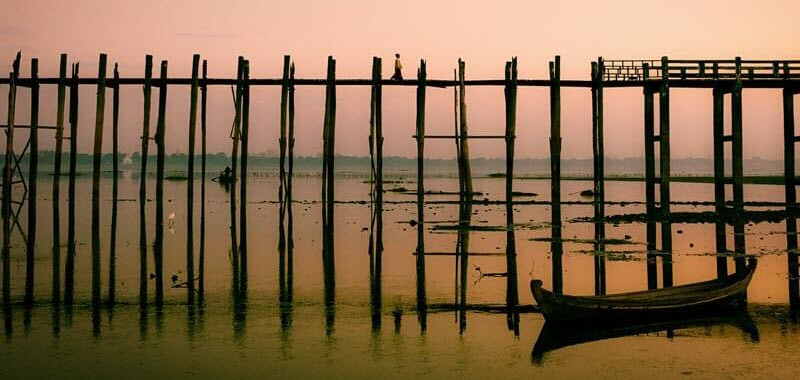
[(309, 338)]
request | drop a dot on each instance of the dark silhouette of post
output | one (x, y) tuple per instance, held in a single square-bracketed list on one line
[(96, 168), (245, 128), (202, 253), (33, 168), (738, 188), (190, 183), (719, 182), (598, 178), (664, 161), (422, 302), (161, 125), (556, 250), (7, 167), (650, 178), (112, 256), (59, 146), (789, 154), (147, 90), (69, 266)]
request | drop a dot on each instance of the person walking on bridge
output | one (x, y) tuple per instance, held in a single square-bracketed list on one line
[(398, 67)]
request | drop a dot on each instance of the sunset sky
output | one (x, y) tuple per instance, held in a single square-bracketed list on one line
[(484, 34)]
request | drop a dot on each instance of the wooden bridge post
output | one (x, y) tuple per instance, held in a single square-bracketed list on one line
[(664, 161), (202, 254), (556, 247), (112, 254), (33, 168), (738, 189), (421, 293), (147, 91), (235, 136), (245, 130), (719, 182), (96, 168), (289, 200), (512, 292), (791, 196), (59, 146), (650, 178), (463, 134), (158, 247), (598, 174), (69, 265), (7, 167), (329, 136), (190, 183)]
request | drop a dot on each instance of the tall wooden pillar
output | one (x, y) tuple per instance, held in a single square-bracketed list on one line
[(650, 179), (664, 161), (791, 195), (556, 247), (736, 149), (598, 180), (719, 183)]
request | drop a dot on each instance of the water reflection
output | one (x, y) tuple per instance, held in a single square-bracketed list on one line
[(554, 336)]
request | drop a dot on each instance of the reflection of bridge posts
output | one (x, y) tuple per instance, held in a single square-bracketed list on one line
[(789, 139), (599, 177)]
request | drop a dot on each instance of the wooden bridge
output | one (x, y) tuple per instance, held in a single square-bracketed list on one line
[(655, 77)]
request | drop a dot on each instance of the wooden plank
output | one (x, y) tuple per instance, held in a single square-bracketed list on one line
[(59, 146), (147, 89), (96, 169), (33, 168)]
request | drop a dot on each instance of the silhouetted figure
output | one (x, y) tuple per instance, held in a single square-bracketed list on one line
[(398, 68), (225, 178)]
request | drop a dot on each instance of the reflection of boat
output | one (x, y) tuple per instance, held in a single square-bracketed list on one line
[(659, 304), (555, 335)]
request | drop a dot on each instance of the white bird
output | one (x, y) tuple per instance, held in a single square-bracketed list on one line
[(171, 222)]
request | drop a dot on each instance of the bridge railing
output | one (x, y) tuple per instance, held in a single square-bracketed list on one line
[(643, 69)]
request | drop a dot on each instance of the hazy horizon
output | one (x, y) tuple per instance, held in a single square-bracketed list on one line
[(351, 32)]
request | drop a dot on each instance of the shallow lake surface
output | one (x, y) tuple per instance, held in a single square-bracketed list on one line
[(348, 329)]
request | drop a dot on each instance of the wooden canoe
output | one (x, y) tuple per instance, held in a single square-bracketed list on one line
[(665, 303)]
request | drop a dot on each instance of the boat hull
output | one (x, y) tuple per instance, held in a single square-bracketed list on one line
[(660, 304)]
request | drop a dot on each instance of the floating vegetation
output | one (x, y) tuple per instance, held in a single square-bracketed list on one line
[(609, 241), (760, 216), (616, 255)]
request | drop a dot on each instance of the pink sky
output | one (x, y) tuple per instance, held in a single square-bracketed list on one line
[(484, 34)]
